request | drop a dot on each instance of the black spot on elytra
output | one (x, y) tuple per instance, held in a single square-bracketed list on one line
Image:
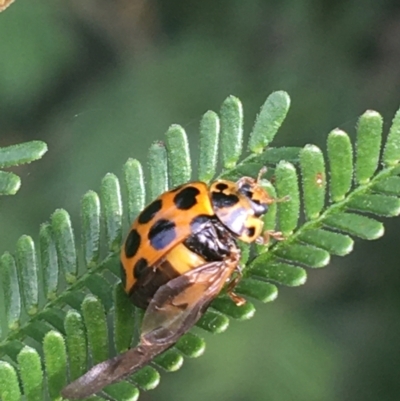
[(150, 211), (140, 267), (132, 244), (199, 222), (220, 200), (251, 231), (221, 186), (162, 233), (186, 199)]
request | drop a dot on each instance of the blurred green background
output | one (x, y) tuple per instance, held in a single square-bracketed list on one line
[(100, 80)]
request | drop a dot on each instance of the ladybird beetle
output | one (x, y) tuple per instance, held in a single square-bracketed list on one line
[(179, 253)]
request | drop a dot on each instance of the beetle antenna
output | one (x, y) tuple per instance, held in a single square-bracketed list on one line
[(262, 171)]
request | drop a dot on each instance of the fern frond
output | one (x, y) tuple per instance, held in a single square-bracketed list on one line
[(59, 299), (355, 190)]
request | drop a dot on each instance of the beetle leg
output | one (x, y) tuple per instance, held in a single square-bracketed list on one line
[(238, 300), (266, 237)]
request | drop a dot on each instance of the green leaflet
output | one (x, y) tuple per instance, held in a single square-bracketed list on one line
[(22, 153), (334, 243), (369, 138), (9, 183), (179, 166), (65, 244), (134, 184), (213, 322), (90, 218), (96, 326), (228, 307), (280, 272), (170, 360), (27, 266), (76, 344), (256, 289), (267, 123), (158, 169), (124, 320), (340, 155), (354, 224), (56, 363), (209, 139), (31, 374), (147, 378), (9, 387), (11, 291), (381, 205), (231, 131), (16, 155), (49, 261), (112, 211), (191, 345), (304, 254), (313, 175), (391, 155), (287, 186), (122, 391), (388, 186), (76, 274)]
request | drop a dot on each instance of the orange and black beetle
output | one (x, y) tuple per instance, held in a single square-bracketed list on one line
[(179, 253)]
